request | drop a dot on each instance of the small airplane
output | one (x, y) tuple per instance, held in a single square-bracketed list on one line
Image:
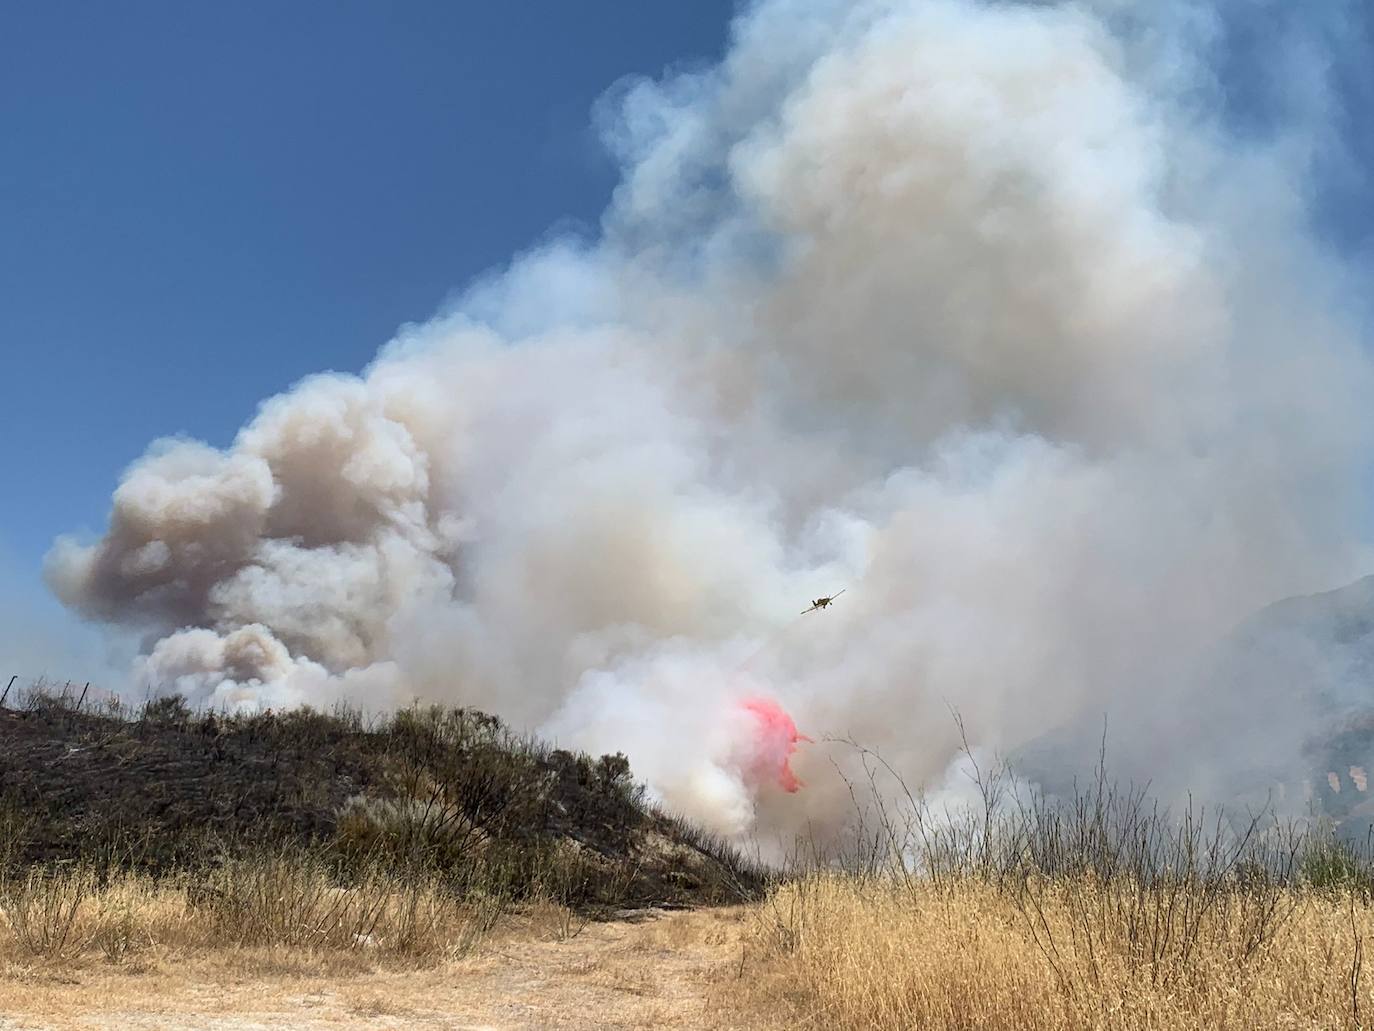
[(821, 603)]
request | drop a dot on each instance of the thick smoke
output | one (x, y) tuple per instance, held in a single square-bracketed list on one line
[(978, 310)]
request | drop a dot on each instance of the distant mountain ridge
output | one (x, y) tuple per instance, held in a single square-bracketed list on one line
[(1322, 644), (1281, 715), (1346, 614)]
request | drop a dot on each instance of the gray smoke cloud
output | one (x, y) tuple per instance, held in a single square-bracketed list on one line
[(978, 310)]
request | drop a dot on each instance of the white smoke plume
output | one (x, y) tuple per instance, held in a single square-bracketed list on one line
[(975, 309)]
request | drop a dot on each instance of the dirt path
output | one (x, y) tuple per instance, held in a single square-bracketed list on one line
[(654, 970)]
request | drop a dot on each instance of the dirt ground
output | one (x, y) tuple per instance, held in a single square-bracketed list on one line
[(652, 969)]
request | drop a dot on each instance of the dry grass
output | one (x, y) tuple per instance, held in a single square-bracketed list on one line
[(828, 949), (1099, 911), (844, 953), (67, 914)]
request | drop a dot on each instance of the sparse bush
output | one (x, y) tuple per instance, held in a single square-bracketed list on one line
[(167, 709), (42, 907), (119, 931), (1331, 865), (294, 899)]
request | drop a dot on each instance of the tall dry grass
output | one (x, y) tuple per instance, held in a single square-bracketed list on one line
[(290, 900), (844, 953), (1102, 911)]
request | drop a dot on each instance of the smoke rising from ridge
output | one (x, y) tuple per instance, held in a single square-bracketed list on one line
[(975, 309)]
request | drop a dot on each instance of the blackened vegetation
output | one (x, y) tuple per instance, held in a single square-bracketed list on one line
[(450, 793)]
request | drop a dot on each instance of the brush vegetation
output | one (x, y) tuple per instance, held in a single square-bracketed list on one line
[(410, 833)]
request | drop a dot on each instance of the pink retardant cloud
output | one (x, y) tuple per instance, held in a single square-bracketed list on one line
[(775, 739)]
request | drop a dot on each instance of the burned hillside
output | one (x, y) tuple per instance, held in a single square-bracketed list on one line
[(451, 792)]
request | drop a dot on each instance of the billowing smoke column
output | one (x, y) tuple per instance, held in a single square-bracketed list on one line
[(979, 309)]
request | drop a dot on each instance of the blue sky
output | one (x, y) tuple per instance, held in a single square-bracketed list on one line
[(200, 203), (235, 195)]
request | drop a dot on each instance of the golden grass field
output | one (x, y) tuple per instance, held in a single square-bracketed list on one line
[(825, 951), (843, 953)]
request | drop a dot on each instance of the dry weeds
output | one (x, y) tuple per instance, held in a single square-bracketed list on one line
[(844, 952), (826, 950), (61, 914)]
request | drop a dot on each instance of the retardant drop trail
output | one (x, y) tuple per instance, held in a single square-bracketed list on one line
[(775, 740)]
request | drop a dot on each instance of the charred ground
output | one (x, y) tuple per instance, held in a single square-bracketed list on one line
[(448, 792)]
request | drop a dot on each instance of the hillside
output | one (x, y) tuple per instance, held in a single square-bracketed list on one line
[(452, 791)]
